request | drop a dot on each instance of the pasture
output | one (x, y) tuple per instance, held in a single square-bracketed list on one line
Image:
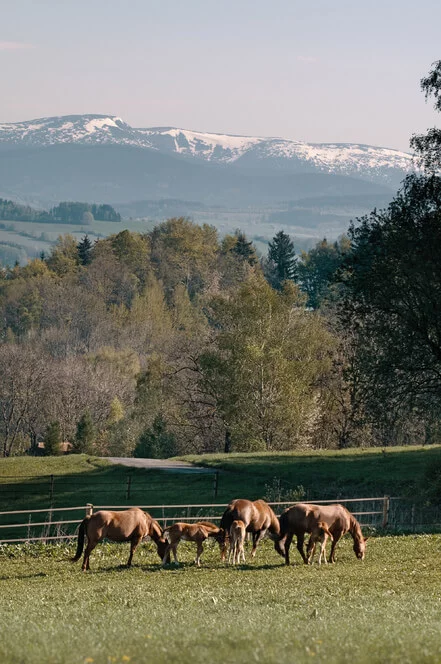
[(385, 609)]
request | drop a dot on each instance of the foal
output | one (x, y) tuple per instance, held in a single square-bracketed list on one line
[(237, 541), (320, 534), (189, 532)]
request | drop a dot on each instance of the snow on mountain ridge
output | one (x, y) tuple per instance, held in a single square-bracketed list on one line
[(344, 158)]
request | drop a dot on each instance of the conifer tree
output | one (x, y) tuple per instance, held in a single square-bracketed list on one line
[(52, 439), (245, 249), (85, 435), (84, 247), (282, 258)]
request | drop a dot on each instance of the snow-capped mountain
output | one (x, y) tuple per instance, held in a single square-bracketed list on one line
[(249, 153)]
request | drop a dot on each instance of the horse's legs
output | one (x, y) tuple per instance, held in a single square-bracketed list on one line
[(300, 548), (334, 544), (133, 545), (199, 553), (287, 544), (91, 544), (175, 552), (166, 554), (256, 539)]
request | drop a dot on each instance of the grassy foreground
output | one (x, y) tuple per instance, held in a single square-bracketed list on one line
[(383, 610)]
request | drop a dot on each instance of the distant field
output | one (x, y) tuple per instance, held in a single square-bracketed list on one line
[(32, 238), (393, 471), (383, 610)]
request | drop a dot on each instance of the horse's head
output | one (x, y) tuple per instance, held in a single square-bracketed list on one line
[(221, 538), (161, 547), (360, 547)]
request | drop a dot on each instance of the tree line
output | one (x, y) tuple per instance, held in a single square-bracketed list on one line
[(64, 213), (179, 341)]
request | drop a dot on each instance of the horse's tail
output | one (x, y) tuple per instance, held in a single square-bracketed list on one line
[(81, 534)]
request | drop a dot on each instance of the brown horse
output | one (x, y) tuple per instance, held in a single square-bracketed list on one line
[(257, 516), (130, 525), (189, 532), (303, 518)]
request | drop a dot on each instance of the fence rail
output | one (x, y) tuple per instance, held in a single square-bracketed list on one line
[(54, 527)]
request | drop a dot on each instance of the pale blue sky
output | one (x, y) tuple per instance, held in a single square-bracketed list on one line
[(321, 70)]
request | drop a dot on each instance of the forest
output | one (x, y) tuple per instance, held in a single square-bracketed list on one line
[(178, 341)]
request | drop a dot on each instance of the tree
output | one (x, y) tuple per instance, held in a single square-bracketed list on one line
[(52, 439), (85, 435), (392, 281), (263, 366), (84, 248), (282, 259), (156, 442), (318, 269), (244, 249), (428, 146)]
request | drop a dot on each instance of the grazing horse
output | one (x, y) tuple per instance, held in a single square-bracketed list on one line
[(257, 516), (190, 532), (130, 525), (319, 534), (303, 518), (237, 541)]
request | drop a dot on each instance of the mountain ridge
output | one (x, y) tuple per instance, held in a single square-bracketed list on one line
[(248, 153)]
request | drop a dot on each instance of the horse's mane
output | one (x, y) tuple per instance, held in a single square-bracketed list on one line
[(354, 527), (155, 531)]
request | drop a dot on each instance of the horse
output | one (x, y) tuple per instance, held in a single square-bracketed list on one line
[(237, 541), (130, 525), (190, 532), (319, 534), (303, 518), (257, 516)]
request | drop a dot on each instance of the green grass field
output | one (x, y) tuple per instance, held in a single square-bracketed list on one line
[(386, 609), (25, 481)]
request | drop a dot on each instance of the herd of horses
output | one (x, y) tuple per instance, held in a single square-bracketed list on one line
[(241, 517)]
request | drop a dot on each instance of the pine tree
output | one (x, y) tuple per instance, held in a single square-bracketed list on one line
[(85, 435), (84, 247), (52, 439), (245, 249), (282, 258)]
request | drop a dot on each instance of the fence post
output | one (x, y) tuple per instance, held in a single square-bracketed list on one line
[(129, 484), (89, 509), (386, 504), (51, 490), (215, 483)]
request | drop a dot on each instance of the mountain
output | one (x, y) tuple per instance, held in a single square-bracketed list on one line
[(116, 173), (247, 154)]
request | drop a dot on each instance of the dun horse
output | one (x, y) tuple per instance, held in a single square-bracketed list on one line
[(130, 525), (190, 532), (257, 516), (319, 534), (237, 541), (303, 518)]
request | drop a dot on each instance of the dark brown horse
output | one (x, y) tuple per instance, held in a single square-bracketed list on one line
[(257, 516), (130, 525), (303, 518)]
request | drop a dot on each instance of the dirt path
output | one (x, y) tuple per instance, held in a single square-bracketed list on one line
[(160, 464)]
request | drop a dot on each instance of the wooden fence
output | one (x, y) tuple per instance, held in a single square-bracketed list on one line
[(54, 523)]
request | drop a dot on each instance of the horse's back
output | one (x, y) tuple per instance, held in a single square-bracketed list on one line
[(336, 517), (119, 526), (256, 514)]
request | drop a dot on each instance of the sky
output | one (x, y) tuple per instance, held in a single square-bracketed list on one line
[(322, 71)]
